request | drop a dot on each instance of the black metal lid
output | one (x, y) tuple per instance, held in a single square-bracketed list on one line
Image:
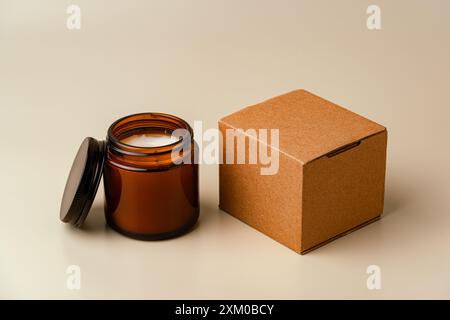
[(83, 181)]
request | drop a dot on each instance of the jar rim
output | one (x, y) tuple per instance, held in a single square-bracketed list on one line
[(173, 123)]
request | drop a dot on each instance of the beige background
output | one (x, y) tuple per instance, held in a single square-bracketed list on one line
[(202, 60)]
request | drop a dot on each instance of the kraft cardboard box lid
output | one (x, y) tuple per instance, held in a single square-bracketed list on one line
[(310, 126)]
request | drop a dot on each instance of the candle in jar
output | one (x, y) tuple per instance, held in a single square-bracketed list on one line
[(149, 140)]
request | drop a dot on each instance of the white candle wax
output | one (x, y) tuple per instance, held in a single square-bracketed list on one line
[(149, 140)]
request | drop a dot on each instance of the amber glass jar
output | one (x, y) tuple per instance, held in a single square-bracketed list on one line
[(151, 192)]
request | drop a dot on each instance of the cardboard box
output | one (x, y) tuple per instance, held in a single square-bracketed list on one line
[(331, 172)]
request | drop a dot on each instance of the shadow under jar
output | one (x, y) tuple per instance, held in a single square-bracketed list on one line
[(151, 190), (150, 177)]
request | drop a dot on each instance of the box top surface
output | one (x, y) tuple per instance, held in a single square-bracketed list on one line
[(310, 126)]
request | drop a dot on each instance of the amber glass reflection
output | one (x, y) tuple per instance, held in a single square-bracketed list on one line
[(147, 195)]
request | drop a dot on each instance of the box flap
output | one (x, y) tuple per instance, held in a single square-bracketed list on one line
[(310, 126)]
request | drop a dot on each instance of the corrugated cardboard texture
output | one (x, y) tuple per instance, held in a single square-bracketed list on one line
[(331, 171)]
